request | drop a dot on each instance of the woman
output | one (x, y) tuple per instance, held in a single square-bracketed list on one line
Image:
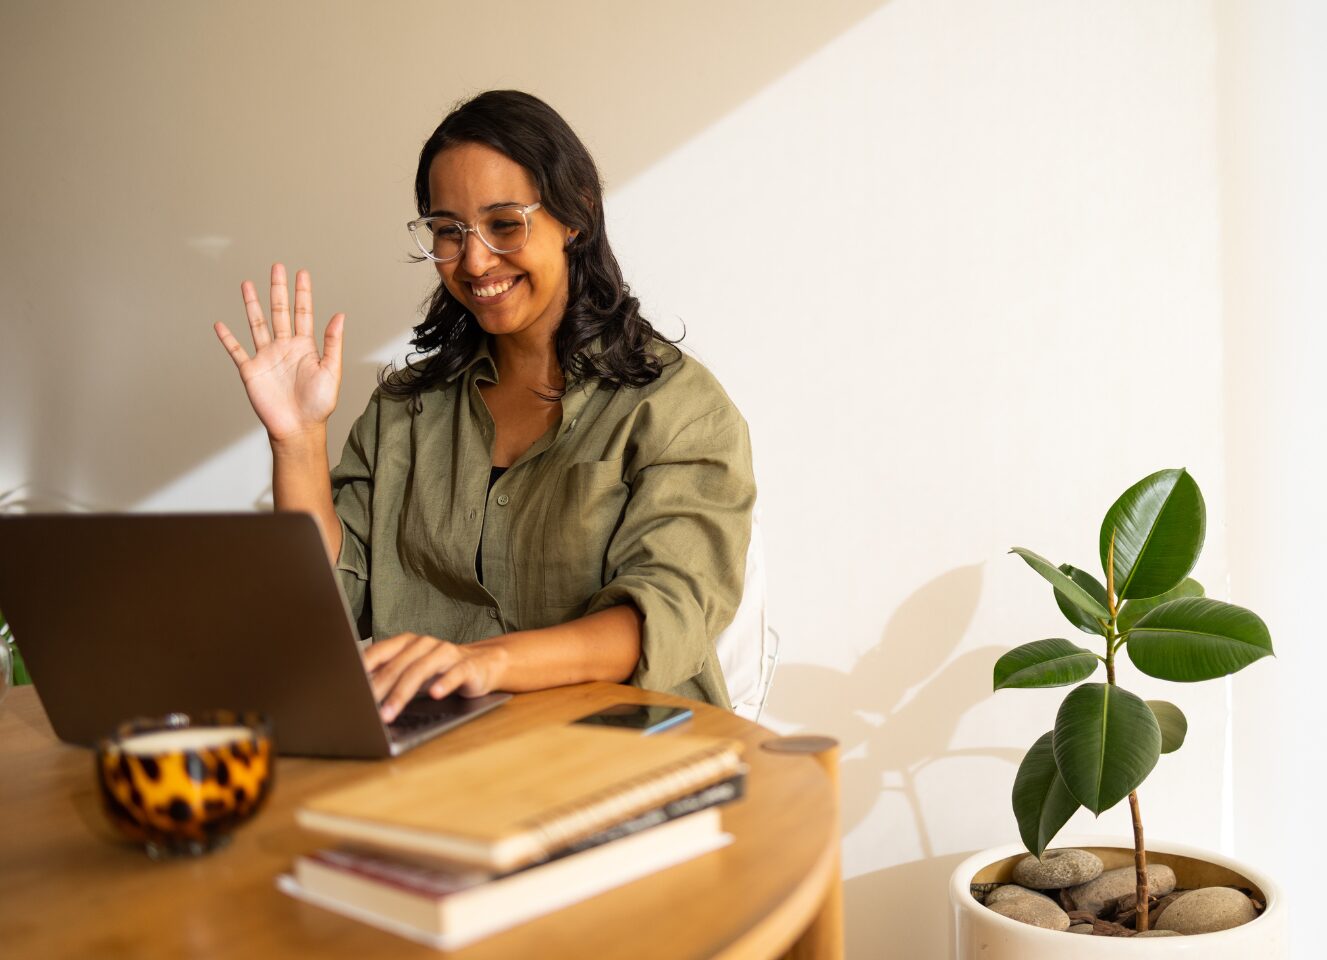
[(553, 493)]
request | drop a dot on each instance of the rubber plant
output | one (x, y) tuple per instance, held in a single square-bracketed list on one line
[(20, 671), (1107, 740)]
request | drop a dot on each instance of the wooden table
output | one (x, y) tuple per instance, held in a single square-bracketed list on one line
[(69, 888)]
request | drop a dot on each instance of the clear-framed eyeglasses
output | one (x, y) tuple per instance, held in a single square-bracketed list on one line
[(501, 229)]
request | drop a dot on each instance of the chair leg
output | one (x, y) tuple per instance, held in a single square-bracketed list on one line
[(767, 666)]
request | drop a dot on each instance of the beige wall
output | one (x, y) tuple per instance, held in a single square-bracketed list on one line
[(981, 289)]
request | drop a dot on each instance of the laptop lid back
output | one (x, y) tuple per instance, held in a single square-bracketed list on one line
[(127, 615)]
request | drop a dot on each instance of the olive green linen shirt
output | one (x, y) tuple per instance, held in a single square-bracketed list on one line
[(636, 495)]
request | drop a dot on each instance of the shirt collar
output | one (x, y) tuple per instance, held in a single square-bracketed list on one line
[(482, 355), (483, 365)]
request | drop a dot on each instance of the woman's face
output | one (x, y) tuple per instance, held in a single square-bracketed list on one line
[(511, 293)]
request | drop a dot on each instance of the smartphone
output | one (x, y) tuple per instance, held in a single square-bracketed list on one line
[(636, 716)]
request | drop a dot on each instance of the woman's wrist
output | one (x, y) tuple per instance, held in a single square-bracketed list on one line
[(601, 646), (305, 444), (496, 659)]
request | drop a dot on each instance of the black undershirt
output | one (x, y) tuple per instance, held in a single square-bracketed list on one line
[(493, 474)]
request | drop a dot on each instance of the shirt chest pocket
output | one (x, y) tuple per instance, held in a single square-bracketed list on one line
[(583, 514)]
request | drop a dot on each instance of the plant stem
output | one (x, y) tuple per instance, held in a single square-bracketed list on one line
[(1139, 850), (1139, 862)]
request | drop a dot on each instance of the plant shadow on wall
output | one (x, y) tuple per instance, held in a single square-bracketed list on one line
[(895, 712)]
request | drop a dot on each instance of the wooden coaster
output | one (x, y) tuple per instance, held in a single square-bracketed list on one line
[(804, 745)]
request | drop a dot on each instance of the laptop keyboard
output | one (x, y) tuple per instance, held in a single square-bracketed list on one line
[(423, 713), (424, 716), (407, 722)]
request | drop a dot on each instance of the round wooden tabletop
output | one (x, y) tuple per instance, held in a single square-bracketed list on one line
[(71, 889)]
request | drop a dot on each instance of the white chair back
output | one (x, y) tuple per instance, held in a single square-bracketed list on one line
[(748, 648)]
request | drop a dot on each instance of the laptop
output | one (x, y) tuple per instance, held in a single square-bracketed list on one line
[(140, 615)]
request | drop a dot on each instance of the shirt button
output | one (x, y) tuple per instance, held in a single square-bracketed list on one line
[(470, 515), (492, 614), (503, 499)]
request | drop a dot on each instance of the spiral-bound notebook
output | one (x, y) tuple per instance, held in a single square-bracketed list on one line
[(516, 801)]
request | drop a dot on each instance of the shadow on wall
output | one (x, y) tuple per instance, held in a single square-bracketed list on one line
[(896, 711), (255, 155), (918, 892)]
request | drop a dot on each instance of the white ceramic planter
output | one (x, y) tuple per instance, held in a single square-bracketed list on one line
[(982, 934)]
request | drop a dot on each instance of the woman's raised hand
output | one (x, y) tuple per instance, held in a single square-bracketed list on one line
[(291, 387)]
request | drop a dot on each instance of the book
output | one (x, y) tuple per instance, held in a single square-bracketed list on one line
[(447, 907), (723, 792), (519, 800)]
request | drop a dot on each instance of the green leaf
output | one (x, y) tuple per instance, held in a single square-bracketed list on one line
[(1173, 725), (1044, 663), (1106, 742), (1133, 611), (1042, 803), (1094, 587), (1061, 582), (1196, 638), (1159, 524)]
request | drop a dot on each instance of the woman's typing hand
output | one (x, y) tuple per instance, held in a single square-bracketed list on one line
[(292, 389), (411, 663)]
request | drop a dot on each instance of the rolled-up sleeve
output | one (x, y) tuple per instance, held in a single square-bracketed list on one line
[(352, 494), (680, 551)]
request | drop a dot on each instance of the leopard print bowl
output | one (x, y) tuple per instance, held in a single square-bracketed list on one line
[(179, 785)]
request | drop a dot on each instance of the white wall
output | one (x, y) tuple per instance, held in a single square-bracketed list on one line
[(985, 298), (1274, 220), (968, 268)]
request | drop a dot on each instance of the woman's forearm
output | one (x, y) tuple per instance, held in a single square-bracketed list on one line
[(301, 480), (601, 646)]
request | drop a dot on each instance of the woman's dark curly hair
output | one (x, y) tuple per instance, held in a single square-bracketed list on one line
[(602, 334)]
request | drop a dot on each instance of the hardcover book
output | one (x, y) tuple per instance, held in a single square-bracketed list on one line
[(522, 799), (448, 907)]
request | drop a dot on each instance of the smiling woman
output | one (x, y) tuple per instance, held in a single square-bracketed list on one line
[(549, 491), (535, 155)]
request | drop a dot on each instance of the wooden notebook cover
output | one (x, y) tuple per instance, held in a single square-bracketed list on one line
[(515, 801)]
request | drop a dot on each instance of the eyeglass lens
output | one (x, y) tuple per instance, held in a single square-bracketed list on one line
[(504, 231)]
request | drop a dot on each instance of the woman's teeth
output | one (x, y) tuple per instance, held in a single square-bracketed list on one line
[(502, 286)]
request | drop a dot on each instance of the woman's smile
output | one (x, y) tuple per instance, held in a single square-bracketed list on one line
[(487, 291)]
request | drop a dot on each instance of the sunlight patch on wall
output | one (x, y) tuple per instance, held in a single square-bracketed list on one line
[(235, 478)]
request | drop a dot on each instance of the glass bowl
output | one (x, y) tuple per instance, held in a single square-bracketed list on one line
[(180, 785)]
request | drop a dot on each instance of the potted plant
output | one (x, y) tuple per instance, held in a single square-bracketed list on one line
[(9, 656), (1106, 740)]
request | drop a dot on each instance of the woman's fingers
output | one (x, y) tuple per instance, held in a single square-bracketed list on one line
[(421, 673), (381, 651), (254, 311), (403, 666), (407, 649), (280, 303), (230, 343), (332, 343), (451, 681), (303, 304), (281, 328), (383, 677), (424, 663)]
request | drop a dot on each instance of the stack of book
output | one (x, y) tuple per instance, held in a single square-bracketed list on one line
[(452, 850)]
